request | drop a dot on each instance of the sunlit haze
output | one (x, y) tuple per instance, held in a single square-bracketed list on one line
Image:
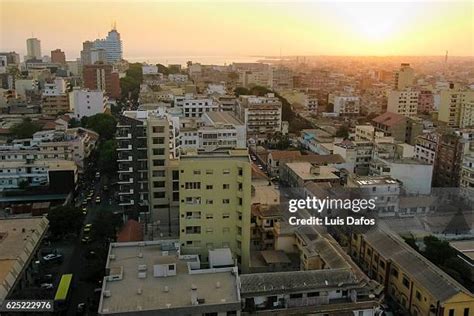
[(153, 28)]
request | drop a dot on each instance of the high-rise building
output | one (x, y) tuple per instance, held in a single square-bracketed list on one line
[(456, 107), (33, 49), (215, 201), (101, 76), (58, 57), (147, 150), (404, 102), (403, 78), (112, 45)]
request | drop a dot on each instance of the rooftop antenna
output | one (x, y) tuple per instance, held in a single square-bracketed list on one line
[(114, 26)]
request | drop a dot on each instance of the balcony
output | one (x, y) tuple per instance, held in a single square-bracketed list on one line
[(123, 159), (130, 169), (126, 192), (125, 181), (124, 136), (129, 147)]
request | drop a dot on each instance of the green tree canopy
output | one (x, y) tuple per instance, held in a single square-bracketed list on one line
[(241, 91), (102, 123), (107, 161), (64, 219), (343, 131), (25, 129), (130, 84), (106, 224)]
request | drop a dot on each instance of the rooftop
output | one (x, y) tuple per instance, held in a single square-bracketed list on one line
[(308, 171), (223, 118), (466, 247), (154, 275), (417, 267), (389, 119), (19, 238)]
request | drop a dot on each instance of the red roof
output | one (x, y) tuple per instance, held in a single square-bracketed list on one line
[(389, 119), (284, 154), (131, 231)]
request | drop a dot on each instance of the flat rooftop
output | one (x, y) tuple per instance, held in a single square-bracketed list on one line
[(223, 117), (304, 171), (131, 292), (466, 247), (374, 180), (19, 237)]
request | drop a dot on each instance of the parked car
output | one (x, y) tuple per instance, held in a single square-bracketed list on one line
[(86, 239), (53, 257), (46, 286)]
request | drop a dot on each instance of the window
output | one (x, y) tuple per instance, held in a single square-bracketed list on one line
[(158, 140), (158, 195), (158, 129), (209, 230), (395, 273), (225, 201), (209, 201), (171, 267), (158, 173), (158, 184), (209, 187), (197, 172), (193, 229), (192, 185), (158, 151), (241, 172), (418, 295), (209, 171), (209, 216), (312, 294), (466, 311), (158, 162), (226, 215), (226, 171), (225, 186), (406, 282), (451, 312), (298, 295)]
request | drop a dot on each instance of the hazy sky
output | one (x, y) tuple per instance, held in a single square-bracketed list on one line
[(163, 28)]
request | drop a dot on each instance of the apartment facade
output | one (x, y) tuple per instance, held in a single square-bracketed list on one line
[(403, 78), (411, 281), (100, 76), (404, 102), (426, 146), (195, 107), (398, 126), (86, 102), (456, 107), (215, 203), (261, 116)]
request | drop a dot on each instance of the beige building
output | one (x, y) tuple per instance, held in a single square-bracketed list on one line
[(261, 116), (404, 77), (456, 107), (19, 242), (404, 102), (215, 202)]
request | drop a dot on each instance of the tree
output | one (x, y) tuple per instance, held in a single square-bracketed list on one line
[(107, 161), (130, 84), (23, 185), (163, 69), (64, 219), (437, 251), (259, 91), (102, 123), (25, 129), (241, 91), (106, 225), (343, 131), (279, 141)]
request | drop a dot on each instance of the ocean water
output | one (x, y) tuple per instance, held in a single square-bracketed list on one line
[(206, 60)]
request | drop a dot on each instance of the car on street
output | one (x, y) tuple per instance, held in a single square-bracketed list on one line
[(86, 240), (46, 286), (87, 228), (53, 257), (97, 174), (97, 200)]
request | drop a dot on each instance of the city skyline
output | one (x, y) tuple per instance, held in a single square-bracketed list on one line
[(159, 29)]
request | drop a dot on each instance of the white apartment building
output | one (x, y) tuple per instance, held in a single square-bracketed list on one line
[(414, 175), (261, 115), (383, 189), (214, 130), (404, 102), (178, 78), (24, 85), (86, 102), (357, 155), (345, 105), (281, 78), (192, 106), (256, 78), (426, 146), (56, 88), (149, 69)]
